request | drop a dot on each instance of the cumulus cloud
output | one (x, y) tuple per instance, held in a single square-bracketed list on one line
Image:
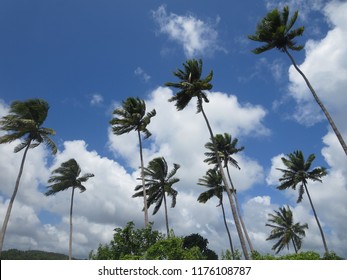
[(196, 36), (325, 66)]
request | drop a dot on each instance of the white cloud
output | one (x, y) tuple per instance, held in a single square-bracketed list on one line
[(196, 36), (325, 66), (96, 99), (142, 74)]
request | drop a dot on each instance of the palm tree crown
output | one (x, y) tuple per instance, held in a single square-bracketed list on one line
[(298, 172), (25, 122), (132, 116), (225, 147), (67, 176), (275, 31), (284, 229), (213, 181), (190, 85)]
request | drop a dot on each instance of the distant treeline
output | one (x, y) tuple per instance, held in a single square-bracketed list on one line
[(14, 254)]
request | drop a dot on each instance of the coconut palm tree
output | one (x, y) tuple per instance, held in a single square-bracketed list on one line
[(132, 116), (275, 31), (213, 181), (191, 85), (24, 122), (297, 173), (284, 229), (226, 147), (64, 177), (159, 182)]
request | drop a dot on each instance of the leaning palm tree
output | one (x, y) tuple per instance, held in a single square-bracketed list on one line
[(297, 173), (191, 85), (226, 147), (276, 32), (24, 122), (64, 177), (132, 116), (284, 229), (213, 181), (159, 182)]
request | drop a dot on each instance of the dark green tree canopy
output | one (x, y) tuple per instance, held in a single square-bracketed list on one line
[(132, 116), (158, 181), (285, 230), (190, 85), (66, 176), (25, 122), (275, 30), (298, 172), (226, 147)]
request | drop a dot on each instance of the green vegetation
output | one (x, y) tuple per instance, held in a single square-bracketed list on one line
[(14, 254), (148, 244)]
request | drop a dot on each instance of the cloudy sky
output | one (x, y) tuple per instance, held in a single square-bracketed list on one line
[(85, 57)]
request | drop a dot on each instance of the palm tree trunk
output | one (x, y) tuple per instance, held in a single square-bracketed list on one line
[(143, 182), (321, 105), (296, 250), (227, 228), (239, 212), (166, 217), (70, 240), (10, 205), (226, 186), (318, 223)]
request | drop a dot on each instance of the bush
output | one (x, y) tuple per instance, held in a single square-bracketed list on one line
[(309, 255)]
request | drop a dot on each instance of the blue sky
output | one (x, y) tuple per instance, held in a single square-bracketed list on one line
[(85, 57)]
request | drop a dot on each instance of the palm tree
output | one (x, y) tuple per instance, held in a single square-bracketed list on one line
[(159, 182), (191, 85), (24, 122), (132, 116), (213, 181), (275, 31), (226, 147), (284, 229), (298, 172), (64, 177)]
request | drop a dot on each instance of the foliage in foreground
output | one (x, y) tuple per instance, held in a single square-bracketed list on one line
[(147, 244), (308, 255)]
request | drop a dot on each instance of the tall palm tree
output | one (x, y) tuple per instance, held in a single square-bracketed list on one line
[(24, 122), (191, 85), (276, 32), (213, 181), (226, 147), (297, 173), (284, 229), (132, 116), (64, 177), (159, 182)]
